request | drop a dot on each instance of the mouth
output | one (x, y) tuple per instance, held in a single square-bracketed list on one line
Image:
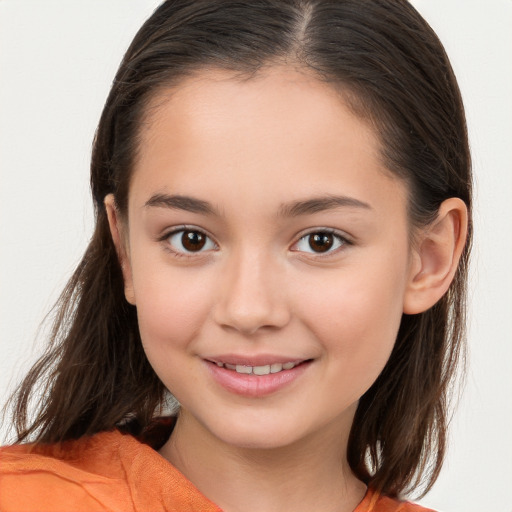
[(256, 376), (260, 370)]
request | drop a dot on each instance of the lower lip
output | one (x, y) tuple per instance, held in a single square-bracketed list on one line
[(255, 385)]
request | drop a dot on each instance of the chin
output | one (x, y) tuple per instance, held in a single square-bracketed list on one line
[(260, 434), (259, 440)]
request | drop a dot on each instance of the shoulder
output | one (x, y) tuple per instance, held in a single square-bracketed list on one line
[(375, 502), (109, 471), (86, 473)]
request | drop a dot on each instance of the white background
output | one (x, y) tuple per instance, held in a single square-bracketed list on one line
[(57, 59)]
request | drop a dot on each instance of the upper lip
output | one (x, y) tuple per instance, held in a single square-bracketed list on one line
[(254, 360)]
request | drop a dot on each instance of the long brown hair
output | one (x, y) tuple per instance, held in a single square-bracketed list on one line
[(393, 72)]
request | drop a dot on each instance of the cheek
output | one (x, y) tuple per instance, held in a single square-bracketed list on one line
[(171, 309), (356, 313), (172, 306)]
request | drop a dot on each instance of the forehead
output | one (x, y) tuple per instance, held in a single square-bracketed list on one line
[(282, 131), (210, 97)]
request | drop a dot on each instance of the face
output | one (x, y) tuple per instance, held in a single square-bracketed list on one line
[(267, 253)]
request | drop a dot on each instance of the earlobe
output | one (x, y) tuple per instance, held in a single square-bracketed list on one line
[(436, 257), (119, 239)]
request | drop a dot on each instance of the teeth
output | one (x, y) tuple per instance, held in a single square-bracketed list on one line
[(243, 369), (276, 367), (258, 370), (261, 370)]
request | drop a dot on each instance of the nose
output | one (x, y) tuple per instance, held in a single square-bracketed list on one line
[(251, 295)]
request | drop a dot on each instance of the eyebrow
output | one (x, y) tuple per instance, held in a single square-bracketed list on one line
[(178, 202), (320, 204), (293, 209)]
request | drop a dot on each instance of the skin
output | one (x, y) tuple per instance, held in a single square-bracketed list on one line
[(251, 149)]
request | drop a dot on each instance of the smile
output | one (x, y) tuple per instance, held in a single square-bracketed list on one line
[(266, 375), (258, 370)]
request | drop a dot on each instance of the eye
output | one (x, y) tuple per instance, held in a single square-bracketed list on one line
[(189, 241), (320, 242)]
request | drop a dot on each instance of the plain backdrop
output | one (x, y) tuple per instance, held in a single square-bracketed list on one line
[(57, 59)]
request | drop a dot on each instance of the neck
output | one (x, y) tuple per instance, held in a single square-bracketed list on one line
[(311, 474)]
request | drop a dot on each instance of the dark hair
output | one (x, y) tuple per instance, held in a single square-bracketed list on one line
[(392, 71)]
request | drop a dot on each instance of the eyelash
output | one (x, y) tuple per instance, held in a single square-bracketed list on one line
[(184, 229), (341, 239)]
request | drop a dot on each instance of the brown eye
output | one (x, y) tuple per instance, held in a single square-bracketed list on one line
[(193, 240), (189, 241), (321, 242)]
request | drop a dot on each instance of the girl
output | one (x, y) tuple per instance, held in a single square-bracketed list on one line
[(271, 308)]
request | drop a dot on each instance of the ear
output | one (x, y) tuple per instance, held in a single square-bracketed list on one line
[(118, 232), (436, 257)]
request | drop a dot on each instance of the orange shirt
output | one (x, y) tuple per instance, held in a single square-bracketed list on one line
[(113, 472)]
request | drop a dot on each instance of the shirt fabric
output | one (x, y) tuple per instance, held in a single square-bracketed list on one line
[(113, 472)]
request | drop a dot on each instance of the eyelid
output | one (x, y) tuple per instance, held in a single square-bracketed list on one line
[(185, 227), (346, 240)]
